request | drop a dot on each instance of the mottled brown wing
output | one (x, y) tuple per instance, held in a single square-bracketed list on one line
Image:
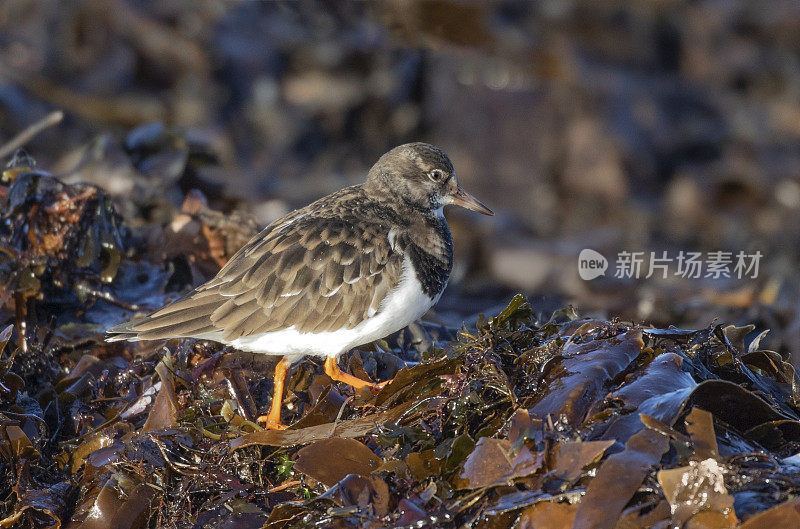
[(318, 274)]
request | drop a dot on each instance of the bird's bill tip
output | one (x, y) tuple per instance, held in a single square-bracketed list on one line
[(465, 200)]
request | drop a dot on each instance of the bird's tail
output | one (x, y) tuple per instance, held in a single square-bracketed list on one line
[(189, 316)]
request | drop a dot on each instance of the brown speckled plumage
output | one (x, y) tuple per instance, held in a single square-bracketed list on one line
[(329, 265)]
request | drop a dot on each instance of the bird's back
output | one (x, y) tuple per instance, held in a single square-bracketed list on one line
[(324, 268)]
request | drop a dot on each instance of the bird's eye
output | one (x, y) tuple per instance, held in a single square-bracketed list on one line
[(437, 175)]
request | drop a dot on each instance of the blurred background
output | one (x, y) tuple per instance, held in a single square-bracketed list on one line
[(638, 126)]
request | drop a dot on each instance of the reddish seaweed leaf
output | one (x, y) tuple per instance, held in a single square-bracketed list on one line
[(330, 460), (548, 515), (492, 462), (700, 427), (618, 478), (573, 456)]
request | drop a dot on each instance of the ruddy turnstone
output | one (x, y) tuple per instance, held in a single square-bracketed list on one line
[(348, 269)]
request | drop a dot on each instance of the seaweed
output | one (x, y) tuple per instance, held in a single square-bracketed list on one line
[(516, 421)]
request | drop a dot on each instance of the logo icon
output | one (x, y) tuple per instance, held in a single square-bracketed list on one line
[(591, 264)]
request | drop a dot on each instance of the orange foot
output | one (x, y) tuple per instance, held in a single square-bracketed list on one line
[(333, 371), (271, 424), (272, 420)]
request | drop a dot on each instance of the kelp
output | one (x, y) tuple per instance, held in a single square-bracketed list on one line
[(516, 421)]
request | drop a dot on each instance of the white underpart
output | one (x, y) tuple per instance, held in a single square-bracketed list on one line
[(403, 305)]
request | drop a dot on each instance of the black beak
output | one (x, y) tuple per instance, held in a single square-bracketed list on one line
[(465, 200)]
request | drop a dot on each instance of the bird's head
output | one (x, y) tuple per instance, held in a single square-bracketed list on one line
[(422, 177)]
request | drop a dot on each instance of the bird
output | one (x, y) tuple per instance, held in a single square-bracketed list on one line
[(351, 268)]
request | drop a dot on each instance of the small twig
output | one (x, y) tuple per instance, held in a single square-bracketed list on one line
[(174, 465), (53, 118), (108, 297), (284, 486), (341, 410)]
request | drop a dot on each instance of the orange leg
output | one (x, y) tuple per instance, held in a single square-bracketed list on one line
[(273, 418), (333, 371)]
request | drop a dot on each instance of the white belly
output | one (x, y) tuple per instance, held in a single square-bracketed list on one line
[(403, 305)]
